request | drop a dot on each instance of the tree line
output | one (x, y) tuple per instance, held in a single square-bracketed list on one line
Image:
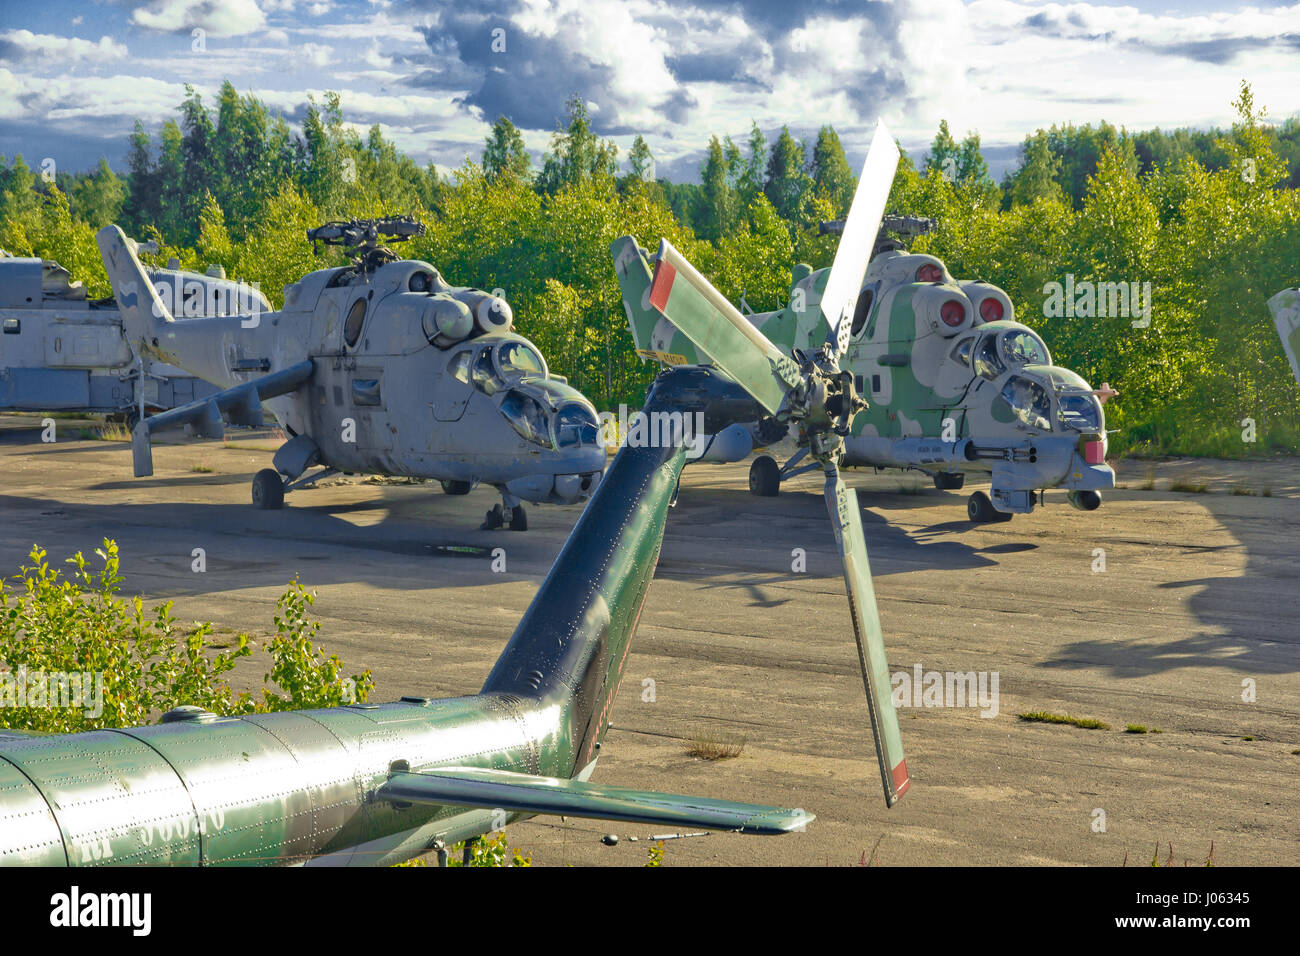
[(1210, 218)]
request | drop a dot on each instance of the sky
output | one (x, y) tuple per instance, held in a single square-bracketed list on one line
[(434, 74)]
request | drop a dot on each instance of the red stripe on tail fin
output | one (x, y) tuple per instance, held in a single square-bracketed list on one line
[(662, 285)]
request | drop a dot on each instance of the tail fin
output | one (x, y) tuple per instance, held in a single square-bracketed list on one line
[(632, 266), (142, 309)]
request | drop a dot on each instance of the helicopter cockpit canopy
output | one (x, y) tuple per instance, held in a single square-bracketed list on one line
[(540, 409), (498, 365), (1080, 411), (1030, 402), (1023, 347), (1001, 349)]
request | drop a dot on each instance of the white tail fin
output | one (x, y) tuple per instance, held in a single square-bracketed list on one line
[(142, 310)]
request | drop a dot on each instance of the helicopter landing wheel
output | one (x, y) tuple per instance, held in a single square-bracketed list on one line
[(268, 490), (493, 520), (518, 519), (455, 487), (764, 477), (979, 509)]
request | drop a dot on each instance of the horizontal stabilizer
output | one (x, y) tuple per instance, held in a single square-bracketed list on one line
[(241, 403), (524, 793)]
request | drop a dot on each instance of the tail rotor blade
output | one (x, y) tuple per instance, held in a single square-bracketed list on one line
[(703, 315), (859, 237), (847, 522)]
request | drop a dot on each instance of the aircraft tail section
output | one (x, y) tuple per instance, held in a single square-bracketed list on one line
[(141, 308), (655, 337), (1285, 307), (634, 270)]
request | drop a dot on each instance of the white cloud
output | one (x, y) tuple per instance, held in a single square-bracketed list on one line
[(317, 54), (25, 45), (219, 18)]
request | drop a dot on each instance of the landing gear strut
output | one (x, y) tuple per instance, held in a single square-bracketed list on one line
[(510, 511)]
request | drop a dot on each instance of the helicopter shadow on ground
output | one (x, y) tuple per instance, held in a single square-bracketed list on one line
[(706, 521), (397, 551), (1249, 622)]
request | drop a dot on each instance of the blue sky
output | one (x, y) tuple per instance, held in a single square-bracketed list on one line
[(434, 74)]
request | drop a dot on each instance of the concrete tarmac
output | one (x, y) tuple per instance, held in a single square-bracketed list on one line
[(1174, 610)]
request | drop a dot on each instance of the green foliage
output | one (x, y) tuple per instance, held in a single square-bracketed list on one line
[(656, 854), (832, 176), (1211, 220), (307, 676), (577, 153), (492, 849), (505, 154), (144, 663)]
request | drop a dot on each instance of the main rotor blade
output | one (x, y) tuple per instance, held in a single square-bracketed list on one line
[(859, 237), (847, 522), (703, 315)]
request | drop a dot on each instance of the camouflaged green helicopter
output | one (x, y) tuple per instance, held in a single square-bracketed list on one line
[(955, 383)]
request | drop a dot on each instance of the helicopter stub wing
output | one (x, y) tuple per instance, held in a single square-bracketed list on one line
[(241, 403), (525, 793), (703, 315)]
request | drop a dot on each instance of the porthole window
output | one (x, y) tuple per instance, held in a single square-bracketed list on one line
[(352, 327)]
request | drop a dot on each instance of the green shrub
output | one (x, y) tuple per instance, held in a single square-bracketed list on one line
[(123, 667)]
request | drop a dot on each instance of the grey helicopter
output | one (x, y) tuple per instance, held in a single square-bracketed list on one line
[(63, 351), (375, 367)]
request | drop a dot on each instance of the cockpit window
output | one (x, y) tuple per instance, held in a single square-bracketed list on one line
[(1029, 401), (987, 363), (516, 358), (961, 352), (527, 417), (459, 365), (419, 282), (576, 425), (1024, 348), (1080, 411), (485, 374)]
